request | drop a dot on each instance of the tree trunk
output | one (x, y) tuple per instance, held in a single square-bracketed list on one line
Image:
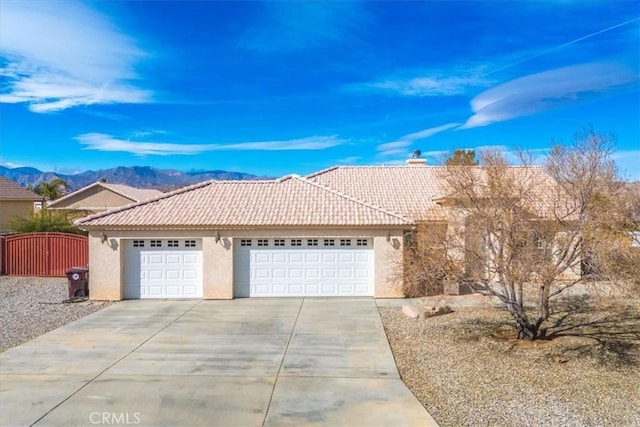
[(526, 329)]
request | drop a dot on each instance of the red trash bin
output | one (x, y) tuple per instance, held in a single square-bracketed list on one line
[(78, 278)]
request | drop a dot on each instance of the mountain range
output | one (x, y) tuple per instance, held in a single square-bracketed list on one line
[(136, 176)]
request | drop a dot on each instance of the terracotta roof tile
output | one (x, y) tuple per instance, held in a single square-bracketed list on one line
[(414, 191), (408, 190), (10, 190), (288, 201)]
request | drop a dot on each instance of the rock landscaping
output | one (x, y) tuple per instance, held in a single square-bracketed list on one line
[(468, 369), (32, 306)]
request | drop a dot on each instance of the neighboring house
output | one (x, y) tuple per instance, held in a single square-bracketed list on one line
[(102, 196), (15, 200), (338, 232)]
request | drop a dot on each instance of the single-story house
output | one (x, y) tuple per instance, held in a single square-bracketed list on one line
[(337, 232), (15, 200), (102, 196)]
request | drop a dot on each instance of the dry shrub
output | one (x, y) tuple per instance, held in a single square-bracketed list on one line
[(426, 264)]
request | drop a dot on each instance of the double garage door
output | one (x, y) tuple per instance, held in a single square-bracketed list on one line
[(303, 267), (274, 267)]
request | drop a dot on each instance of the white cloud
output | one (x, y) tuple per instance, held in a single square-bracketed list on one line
[(428, 82), (62, 54), (402, 145), (426, 86), (542, 91), (10, 165), (103, 142)]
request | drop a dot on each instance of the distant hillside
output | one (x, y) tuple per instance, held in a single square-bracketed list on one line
[(136, 176)]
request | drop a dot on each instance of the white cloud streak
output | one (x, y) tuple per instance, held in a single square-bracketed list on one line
[(103, 142), (431, 84), (62, 54), (539, 92), (401, 146)]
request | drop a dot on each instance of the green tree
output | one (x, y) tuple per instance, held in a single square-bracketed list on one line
[(50, 190), (462, 158), (44, 220)]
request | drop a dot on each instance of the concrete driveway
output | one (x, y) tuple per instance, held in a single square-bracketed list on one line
[(246, 362)]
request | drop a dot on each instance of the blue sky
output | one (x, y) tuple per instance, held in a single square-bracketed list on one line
[(293, 86)]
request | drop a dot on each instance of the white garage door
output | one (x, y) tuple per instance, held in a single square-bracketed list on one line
[(303, 267), (167, 268)]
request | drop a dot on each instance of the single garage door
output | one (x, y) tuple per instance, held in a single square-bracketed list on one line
[(303, 267), (167, 268)]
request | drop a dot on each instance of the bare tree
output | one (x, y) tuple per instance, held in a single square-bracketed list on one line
[(523, 233)]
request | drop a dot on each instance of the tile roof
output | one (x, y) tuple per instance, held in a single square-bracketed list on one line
[(10, 190), (131, 193), (288, 201), (408, 190), (416, 191)]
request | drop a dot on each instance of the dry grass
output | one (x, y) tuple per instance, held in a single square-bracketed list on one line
[(467, 368)]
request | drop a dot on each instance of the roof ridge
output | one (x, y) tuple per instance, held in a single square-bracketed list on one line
[(354, 199), (314, 174), (144, 202), (66, 196), (109, 186)]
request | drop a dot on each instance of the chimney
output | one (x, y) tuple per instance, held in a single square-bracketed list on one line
[(416, 162)]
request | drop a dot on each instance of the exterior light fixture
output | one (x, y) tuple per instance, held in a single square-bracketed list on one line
[(103, 237)]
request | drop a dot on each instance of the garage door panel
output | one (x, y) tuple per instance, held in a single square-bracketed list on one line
[(312, 258), (329, 258), (156, 259), (328, 289), (262, 258), (296, 258), (192, 259), (361, 257), (345, 273), (262, 273), (190, 275), (296, 289), (344, 258), (156, 274), (173, 259), (361, 289), (329, 273), (312, 273), (296, 273), (279, 258), (173, 275), (279, 273)]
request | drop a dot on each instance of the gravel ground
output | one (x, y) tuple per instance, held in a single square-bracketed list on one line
[(468, 370), (32, 306)]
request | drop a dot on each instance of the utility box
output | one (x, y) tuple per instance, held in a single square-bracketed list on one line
[(78, 278)]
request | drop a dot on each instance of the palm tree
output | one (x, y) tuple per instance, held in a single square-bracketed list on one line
[(51, 190)]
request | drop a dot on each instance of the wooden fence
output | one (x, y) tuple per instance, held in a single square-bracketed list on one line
[(43, 254)]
